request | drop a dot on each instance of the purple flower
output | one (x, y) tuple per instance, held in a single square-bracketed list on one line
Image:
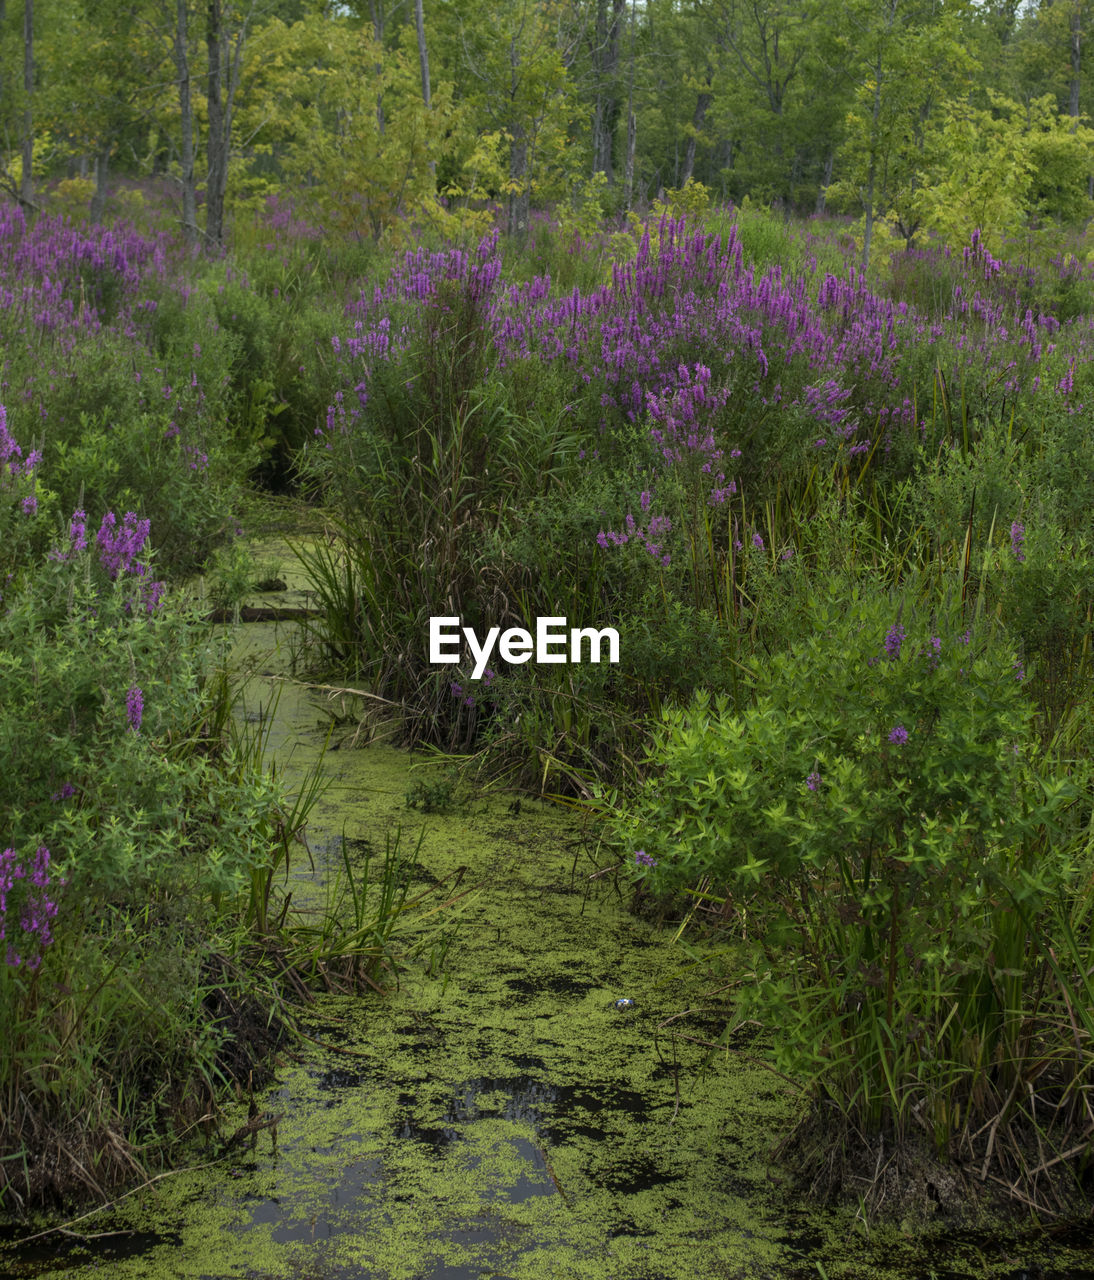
[(898, 735), (77, 531), (1017, 537), (66, 790), (152, 594), (30, 504), (37, 909), (643, 859), (813, 781), (134, 708), (757, 541), (894, 640), (118, 548)]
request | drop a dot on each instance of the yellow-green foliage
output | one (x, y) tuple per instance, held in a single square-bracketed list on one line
[(997, 169), (72, 195), (582, 214), (356, 138), (43, 154)]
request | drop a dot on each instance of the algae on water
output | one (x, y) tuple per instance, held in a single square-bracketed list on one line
[(501, 1118)]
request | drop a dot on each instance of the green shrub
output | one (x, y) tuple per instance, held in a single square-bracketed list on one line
[(101, 676), (882, 811), (120, 428), (131, 831)]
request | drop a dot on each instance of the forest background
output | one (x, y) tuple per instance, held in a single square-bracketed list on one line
[(936, 114)]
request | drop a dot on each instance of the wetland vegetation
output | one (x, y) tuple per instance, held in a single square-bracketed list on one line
[(764, 950)]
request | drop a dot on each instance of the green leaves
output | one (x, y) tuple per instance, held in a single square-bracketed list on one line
[(873, 802), (996, 169)]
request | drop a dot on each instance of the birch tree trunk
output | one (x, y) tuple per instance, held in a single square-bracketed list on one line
[(26, 182), (102, 170), (423, 53)]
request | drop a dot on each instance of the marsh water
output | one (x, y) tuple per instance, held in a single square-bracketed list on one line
[(498, 1115)]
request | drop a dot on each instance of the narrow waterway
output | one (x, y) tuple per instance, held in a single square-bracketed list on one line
[(499, 1114)]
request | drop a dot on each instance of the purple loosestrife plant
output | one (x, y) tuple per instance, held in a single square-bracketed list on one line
[(29, 899), (14, 467), (134, 708), (77, 531), (682, 358), (118, 551), (894, 639), (1017, 537), (119, 548)]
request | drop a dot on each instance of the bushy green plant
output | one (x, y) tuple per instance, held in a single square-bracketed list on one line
[(99, 674), (120, 428), (130, 832), (1047, 602), (881, 808)]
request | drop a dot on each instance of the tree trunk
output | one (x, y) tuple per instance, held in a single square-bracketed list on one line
[(26, 182), (376, 10), (217, 145), (520, 197), (606, 104), (1076, 48), (186, 141), (871, 177), (519, 177), (423, 53), (628, 165), (826, 182), (102, 169), (699, 115), (632, 127), (3, 20)]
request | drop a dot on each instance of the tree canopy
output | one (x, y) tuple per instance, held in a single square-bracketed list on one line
[(912, 114)]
